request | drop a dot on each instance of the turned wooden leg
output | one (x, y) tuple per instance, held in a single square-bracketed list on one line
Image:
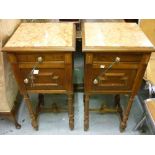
[(118, 106), (40, 102), (84, 98), (71, 111), (117, 100), (41, 99), (32, 115), (86, 112), (126, 114)]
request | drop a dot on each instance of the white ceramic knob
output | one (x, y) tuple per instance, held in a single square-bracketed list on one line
[(102, 66), (95, 81), (117, 59), (40, 59), (26, 81)]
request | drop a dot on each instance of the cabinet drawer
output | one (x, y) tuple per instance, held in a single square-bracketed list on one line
[(110, 57), (46, 79), (52, 64), (121, 65), (52, 60), (47, 57)]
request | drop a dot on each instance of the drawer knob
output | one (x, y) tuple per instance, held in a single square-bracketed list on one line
[(26, 80), (40, 59), (117, 59), (102, 66), (95, 81)]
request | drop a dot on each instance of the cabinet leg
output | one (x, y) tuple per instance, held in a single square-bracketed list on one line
[(126, 114), (17, 125), (40, 103), (32, 115), (41, 99), (117, 100), (71, 111), (12, 117), (86, 112), (118, 106)]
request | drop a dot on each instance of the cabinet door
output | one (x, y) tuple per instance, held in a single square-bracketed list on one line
[(102, 73)]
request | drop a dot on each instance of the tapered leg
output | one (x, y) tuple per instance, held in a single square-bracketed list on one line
[(32, 115), (126, 114), (86, 112), (71, 111)]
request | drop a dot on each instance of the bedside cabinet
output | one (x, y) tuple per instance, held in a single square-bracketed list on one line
[(41, 58), (116, 56)]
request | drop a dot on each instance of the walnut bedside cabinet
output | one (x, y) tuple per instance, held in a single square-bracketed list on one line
[(116, 56), (41, 58)]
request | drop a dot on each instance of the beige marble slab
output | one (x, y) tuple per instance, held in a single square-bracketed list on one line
[(42, 35), (117, 34)]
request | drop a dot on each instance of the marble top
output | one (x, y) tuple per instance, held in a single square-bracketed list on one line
[(117, 35), (36, 35)]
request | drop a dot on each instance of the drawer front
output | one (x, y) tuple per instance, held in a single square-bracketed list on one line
[(47, 57), (52, 60), (45, 79), (110, 57)]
